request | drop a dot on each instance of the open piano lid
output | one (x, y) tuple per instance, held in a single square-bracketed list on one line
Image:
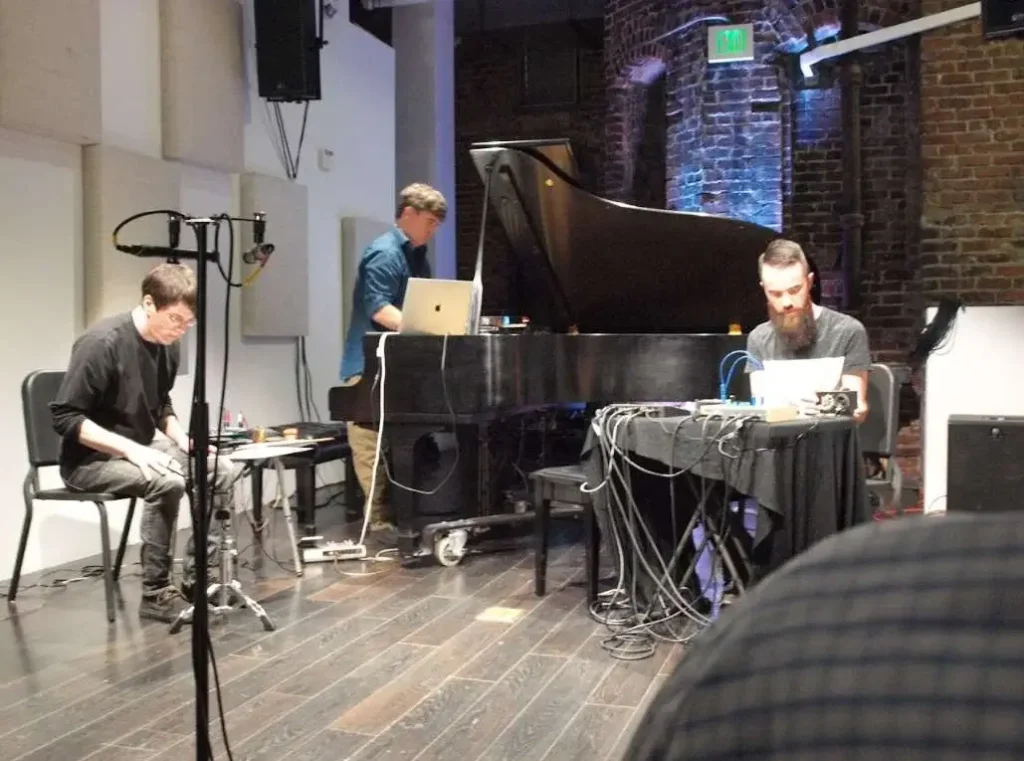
[(608, 267)]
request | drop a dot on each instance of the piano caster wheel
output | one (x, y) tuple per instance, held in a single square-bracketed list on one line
[(450, 548)]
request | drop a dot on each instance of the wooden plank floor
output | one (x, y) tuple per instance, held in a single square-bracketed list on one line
[(369, 662)]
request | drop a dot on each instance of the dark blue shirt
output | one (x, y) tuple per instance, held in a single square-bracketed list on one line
[(384, 271)]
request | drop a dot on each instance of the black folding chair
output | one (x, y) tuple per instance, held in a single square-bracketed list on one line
[(37, 391), (878, 438)]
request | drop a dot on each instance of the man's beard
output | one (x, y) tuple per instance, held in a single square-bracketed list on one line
[(796, 328)]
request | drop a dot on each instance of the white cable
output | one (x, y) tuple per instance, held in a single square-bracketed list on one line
[(380, 439)]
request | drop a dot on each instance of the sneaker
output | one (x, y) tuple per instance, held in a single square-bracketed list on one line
[(163, 605)]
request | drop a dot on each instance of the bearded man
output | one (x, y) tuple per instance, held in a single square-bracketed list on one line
[(798, 328)]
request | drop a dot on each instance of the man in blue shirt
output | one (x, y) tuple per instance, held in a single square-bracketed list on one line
[(377, 298)]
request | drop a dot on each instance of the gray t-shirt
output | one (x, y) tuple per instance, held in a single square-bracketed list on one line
[(836, 335)]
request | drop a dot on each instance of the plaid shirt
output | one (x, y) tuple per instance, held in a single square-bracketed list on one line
[(900, 641)]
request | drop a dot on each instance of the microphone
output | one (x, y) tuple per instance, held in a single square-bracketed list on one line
[(157, 252), (173, 230), (259, 227), (258, 254)]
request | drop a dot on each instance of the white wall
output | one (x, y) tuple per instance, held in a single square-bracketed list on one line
[(41, 249), (974, 371)]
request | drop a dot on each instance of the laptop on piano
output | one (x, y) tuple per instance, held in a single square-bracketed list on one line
[(437, 307)]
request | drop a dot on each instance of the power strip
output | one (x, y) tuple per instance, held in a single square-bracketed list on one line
[(331, 551), (743, 409), (732, 409)]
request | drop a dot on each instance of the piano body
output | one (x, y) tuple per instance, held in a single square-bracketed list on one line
[(626, 304)]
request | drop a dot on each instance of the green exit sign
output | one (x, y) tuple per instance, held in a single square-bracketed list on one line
[(731, 43)]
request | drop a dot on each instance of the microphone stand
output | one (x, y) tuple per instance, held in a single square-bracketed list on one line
[(199, 423)]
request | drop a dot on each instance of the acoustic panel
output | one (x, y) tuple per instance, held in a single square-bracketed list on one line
[(203, 83), (356, 234), (50, 69), (117, 184), (276, 305)]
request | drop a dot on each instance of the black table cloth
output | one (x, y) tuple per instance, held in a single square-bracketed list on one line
[(806, 476)]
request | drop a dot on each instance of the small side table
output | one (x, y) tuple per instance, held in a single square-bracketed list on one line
[(267, 453)]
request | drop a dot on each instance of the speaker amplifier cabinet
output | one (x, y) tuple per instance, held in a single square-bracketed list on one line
[(287, 49), (1000, 18), (986, 464)]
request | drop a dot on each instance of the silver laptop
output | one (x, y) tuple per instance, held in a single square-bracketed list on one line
[(437, 307)]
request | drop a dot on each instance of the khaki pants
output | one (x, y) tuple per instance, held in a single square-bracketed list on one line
[(363, 441)]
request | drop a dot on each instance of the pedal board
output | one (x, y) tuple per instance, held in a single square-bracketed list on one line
[(328, 552)]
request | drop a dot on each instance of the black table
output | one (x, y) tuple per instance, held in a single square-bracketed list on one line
[(806, 476)]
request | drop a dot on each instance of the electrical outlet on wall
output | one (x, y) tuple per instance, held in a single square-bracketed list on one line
[(325, 159)]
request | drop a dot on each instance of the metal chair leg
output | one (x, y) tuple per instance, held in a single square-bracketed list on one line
[(108, 575), (541, 527), (26, 526), (123, 543), (592, 544)]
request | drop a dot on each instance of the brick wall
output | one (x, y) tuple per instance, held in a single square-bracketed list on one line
[(743, 142), (733, 165), (972, 163), (972, 145), (942, 129), (488, 106), (890, 192)]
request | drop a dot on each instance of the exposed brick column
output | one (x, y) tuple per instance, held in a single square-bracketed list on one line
[(632, 54), (618, 172), (684, 153)]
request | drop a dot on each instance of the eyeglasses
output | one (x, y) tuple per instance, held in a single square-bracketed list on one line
[(180, 322)]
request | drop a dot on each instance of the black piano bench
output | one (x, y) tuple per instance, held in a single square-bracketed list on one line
[(562, 485), (304, 464)]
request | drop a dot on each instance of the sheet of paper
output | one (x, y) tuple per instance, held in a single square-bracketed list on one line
[(790, 381)]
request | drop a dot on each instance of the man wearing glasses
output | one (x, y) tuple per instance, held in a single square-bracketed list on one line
[(114, 400)]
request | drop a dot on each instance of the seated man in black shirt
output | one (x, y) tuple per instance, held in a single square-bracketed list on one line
[(114, 398)]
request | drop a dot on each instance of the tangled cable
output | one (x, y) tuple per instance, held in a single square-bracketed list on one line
[(656, 606)]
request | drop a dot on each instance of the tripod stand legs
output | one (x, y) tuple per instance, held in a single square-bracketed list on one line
[(231, 594), (285, 504), (222, 596)]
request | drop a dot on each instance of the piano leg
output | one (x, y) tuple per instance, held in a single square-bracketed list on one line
[(415, 463), (402, 442)]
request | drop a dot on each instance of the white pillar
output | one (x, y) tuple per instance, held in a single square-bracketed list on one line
[(423, 36)]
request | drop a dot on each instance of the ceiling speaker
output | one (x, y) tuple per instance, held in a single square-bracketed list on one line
[(1001, 18)]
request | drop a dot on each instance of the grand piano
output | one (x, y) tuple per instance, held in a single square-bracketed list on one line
[(625, 304)]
